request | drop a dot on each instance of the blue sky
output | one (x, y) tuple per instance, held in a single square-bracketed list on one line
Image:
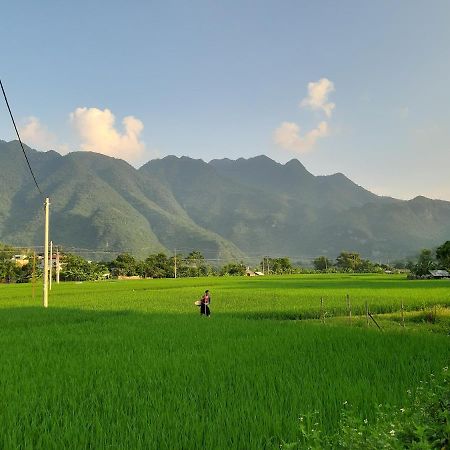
[(355, 87)]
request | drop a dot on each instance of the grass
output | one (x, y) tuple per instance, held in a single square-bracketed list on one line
[(131, 365)]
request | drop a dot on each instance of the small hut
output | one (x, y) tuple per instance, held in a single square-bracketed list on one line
[(439, 274)]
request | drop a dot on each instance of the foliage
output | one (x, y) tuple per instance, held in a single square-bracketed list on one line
[(277, 266), (424, 264), (194, 265), (421, 422), (6, 252), (10, 271), (158, 266), (349, 261), (322, 263), (233, 269), (443, 255), (125, 264), (75, 268), (352, 262)]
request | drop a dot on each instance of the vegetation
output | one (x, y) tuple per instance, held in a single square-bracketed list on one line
[(443, 255), (131, 364), (427, 261), (75, 268), (322, 263), (422, 421), (159, 265), (277, 266), (245, 207), (11, 271)]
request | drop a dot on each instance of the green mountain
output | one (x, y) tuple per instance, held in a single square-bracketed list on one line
[(98, 203), (227, 209)]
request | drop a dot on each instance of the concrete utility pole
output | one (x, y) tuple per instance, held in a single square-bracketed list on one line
[(33, 279), (175, 264), (50, 277), (57, 265), (45, 275)]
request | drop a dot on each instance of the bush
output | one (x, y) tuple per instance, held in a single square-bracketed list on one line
[(422, 423)]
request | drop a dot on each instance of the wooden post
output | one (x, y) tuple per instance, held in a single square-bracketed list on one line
[(321, 310), (45, 275), (367, 313)]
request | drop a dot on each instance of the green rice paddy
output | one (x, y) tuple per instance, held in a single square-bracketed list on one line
[(130, 364)]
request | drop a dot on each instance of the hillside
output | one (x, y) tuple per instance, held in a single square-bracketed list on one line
[(227, 209)]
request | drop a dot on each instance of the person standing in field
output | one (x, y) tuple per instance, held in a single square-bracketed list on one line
[(204, 304)]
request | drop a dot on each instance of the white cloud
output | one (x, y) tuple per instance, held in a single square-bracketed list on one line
[(287, 136), (317, 98), (37, 135), (97, 131)]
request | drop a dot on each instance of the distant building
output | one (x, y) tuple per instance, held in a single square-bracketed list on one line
[(439, 274), (251, 273), (20, 260)]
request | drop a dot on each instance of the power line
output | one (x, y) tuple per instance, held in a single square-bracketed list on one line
[(18, 136)]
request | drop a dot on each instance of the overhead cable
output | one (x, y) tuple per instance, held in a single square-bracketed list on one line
[(18, 136)]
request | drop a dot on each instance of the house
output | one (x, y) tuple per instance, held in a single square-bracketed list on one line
[(439, 274), (20, 260), (249, 272)]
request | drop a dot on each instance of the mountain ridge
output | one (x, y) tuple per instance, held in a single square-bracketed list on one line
[(229, 209)]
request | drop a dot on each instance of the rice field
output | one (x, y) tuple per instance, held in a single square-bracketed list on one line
[(131, 364)]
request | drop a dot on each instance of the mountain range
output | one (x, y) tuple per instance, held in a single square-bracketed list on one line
[(228, 209)]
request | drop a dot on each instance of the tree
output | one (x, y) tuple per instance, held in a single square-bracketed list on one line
[(233, 269), (6, 252), (125, 264), (195, 264), (322, 263), (424, 264), (277, 266), (158, 266), (349, 261), (76, 268), (443, 255), (8, 271)]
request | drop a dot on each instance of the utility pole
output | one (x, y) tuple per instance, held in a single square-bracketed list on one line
[(263, 265), (45, 275), (268, 267), (33, 278), (57, 265), (50, 277), (175, 264)]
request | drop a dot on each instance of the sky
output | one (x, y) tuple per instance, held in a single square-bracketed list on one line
[(355, 87)]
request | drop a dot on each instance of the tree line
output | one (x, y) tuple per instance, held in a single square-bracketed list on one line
[(194, 264), (352, 262)]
